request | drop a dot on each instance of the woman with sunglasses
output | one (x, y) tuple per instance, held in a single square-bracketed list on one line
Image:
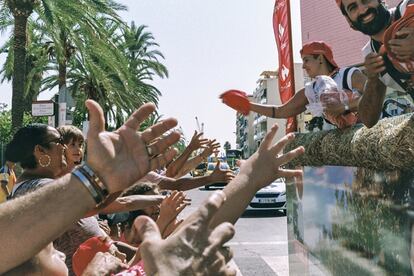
[(40, 151)]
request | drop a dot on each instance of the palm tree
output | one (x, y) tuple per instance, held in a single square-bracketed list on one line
[(37, 59), (115, 74), (61, 14)]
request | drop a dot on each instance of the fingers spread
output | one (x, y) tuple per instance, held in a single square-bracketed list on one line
[(290, 173), (164, 143), (220, 235), (162, 159), (281, 144), (135, 120), (209, 208), (287, 157), (267, 141), (157, 130), (96, 118)]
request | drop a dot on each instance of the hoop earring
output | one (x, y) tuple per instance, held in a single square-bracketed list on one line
[(44, 165)]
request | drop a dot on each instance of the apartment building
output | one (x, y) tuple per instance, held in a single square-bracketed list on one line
[(251, 129)]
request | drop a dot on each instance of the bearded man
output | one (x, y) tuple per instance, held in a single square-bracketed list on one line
[(372, 17)]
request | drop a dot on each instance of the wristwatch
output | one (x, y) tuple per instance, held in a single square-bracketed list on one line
[(346, 109)]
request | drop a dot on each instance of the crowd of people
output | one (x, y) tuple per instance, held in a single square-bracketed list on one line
[(116, 211), (56, 198)]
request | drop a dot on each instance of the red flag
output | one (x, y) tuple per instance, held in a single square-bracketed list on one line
[(283, 35)]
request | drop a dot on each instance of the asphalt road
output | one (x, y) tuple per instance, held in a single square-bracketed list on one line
[(260, 243)]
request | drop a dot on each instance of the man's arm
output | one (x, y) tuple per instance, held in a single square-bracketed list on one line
[(185, 184), (41, 216), (257, 172), (370, 105), (296, 105), (131, 203)]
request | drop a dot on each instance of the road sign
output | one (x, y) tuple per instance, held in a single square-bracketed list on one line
[(42, 108)]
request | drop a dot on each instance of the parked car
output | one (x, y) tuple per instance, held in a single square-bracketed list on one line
[(200, 170), (272, 197), (210, 168)]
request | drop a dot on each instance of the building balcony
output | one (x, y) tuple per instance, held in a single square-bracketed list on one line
[(259, 120), (259, 136)]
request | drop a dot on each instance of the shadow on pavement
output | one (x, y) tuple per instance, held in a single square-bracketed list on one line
[(262, 213)]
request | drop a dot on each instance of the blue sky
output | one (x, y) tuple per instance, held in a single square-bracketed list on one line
[(209, 46)]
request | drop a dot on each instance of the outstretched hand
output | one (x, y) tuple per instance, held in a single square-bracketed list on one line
[(124, 156), (193, 250), (197, 141), (211, 147), (265, 165), (219, 175), (170, 208)]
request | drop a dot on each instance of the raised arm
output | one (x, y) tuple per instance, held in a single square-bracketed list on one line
[(296, 105), (131, 203), (185, 184), (41, 216), (211, 147), (257, 172), (176, 166)]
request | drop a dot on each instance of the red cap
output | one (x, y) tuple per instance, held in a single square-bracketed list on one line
[(406, 21), (319, 47), (338, 2), (237, 100), (86, 251)]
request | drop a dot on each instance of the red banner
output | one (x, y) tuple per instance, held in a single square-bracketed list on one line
[(282, 31)]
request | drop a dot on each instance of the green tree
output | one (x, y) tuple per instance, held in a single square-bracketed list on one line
[(6, 126), (62, 14), (117, 75), (37, 60)]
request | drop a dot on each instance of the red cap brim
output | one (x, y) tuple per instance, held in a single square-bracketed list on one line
[(237, 100)]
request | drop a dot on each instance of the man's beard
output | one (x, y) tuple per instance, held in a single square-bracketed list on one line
[(380, 21)]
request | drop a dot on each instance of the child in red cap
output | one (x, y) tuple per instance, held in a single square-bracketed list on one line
[(87, 251)]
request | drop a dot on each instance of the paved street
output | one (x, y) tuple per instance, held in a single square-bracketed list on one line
[(260, 243)]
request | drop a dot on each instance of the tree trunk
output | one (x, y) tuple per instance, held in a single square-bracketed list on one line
[(19, 71), (389, 145), (63, 62), (62, 74)]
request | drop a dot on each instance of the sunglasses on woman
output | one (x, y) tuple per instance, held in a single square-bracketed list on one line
[(58, 140)]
